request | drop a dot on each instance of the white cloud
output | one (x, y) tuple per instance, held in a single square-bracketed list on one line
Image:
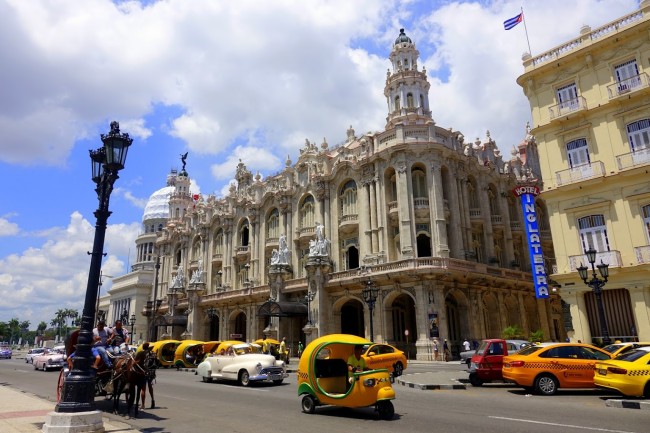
[(255, 159), (7, 228), (55, 275)]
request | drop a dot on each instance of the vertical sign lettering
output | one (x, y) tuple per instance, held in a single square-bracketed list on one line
[(527, 194)]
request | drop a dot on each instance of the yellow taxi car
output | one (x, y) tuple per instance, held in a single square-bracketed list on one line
[(619, 348), (546, 367), (628, 374), (384, 356)]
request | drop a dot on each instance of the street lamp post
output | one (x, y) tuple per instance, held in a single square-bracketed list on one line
[(99, 290), (308, 298), (370, 294), (597, 285), (212, 313), (78, 394), (132, 323)]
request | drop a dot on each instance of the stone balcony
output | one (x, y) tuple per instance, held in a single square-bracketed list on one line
[(611, 258), (580, 173)]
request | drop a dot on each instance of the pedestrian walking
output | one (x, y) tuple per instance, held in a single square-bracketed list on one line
[(150, 374), (466, 345), (300, 349), (436, 348)]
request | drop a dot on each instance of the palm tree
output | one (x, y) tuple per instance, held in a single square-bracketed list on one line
[(14, 329)]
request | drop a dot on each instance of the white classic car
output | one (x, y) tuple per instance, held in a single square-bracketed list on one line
[(51, 359), (242, 362)]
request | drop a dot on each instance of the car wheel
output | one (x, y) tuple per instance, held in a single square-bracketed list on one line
[(244, 378), (398, 369), (308, 404), (474, 380), (35, 367), (386, 409), (278, 382), (468, 362), (646, 390), (546, 384), (206, 379)]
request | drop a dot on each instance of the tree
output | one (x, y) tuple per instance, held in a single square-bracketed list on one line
[(513, 332), (536, 336), (14, 329)]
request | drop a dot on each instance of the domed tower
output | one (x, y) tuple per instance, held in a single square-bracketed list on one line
[(154, 219), (407, 89), (181, 198)]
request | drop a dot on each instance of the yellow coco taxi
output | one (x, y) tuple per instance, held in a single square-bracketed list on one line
[(628, 374), (545, 367), (165, 351), (325, 379), (384, 356)]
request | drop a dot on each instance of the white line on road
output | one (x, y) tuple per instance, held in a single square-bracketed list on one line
[(560, 425)]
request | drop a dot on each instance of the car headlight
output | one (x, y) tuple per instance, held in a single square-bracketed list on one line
[(369, 382), (259, 367)]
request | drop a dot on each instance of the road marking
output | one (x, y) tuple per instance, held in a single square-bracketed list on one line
[(559, 425)]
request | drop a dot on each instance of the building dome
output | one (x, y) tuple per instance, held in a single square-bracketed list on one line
[(158, 204), (402, 38)]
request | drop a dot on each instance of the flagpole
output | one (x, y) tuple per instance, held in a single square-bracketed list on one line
[(526, 30)]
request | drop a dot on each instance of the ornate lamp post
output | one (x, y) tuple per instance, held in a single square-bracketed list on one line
[(597, 285), (308, 298), (370, 294), (212, 313), (78, 394), (132, 323)]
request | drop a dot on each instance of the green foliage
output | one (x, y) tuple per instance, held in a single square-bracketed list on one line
[(513, 332), (536, 336)]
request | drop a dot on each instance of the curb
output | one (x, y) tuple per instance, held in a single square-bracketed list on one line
[(430, 386), (628, 404)]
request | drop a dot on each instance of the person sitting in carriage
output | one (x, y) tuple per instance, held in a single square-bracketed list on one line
[(119, 336)]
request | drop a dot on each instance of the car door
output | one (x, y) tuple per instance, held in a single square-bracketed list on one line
[(588, 358), (494, 359)]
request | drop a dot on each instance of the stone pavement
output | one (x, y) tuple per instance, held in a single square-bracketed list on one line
[(22, 412)]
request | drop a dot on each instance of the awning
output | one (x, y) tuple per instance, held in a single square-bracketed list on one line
[(282, 309), (166, 320)]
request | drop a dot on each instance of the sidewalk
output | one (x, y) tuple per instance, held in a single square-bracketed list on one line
[(22, 412)]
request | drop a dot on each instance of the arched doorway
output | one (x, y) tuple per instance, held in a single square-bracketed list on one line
[(239, 327), (352, 258), (491, 317), (424, 245), (403, 319), (213, 328), (352, 318)]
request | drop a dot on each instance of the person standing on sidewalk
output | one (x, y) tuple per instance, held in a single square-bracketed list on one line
[(445, 349), (435, 349)]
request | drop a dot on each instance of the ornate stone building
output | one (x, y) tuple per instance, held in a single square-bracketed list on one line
[(415, 212)]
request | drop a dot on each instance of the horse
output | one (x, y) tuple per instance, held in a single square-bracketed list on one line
[(129, 377)]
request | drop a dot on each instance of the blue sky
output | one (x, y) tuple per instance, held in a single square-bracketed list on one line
[(223, 81)]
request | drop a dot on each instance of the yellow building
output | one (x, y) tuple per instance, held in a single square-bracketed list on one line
[(590, 103)]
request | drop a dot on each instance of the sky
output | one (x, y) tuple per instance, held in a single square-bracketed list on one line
[(223, 81)]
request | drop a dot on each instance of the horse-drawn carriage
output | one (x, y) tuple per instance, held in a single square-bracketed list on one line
[(128, 374)]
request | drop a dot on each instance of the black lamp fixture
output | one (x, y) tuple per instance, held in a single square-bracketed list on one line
[(78, 394), (596, 284), (370, 294), (132, 323)]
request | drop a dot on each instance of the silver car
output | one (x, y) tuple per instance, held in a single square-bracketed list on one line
[(29, 358)]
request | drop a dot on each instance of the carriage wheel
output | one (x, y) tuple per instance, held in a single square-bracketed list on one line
[(59, 385)]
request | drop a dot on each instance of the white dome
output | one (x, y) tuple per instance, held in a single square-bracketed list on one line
[(158, 204)]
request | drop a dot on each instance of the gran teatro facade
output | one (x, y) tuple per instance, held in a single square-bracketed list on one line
[(402, 236)]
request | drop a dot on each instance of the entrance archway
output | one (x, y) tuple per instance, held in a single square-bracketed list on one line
[(402, 316), (352, 318), (238, 327), (424, 245)]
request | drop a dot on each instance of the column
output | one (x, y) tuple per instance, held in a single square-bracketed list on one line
[(640, 299), (455, 225), (405, 217), (381, 217), (438, 220), (365, 243), (486, 215), (373, 217)]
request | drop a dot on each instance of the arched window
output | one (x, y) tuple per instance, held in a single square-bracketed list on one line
[(218, 242), (593, 233), (243, 234), (421, 101), (273, 225), (419, 182), (409, 100), (196, 249), (348, 199), (397, 106), (638, 133), (307, 212)]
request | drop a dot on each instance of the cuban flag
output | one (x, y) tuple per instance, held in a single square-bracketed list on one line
[(508, 24)]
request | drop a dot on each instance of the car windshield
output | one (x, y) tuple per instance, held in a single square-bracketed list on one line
[(612, 348), (529, 350), (632, 355)]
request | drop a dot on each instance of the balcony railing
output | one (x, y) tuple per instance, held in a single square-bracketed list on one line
[(348, 218), (243, 249), (568, 107), (628, 85), (515, 226), (642, 254), (611, 258), (637, 158), (272, 241), (475, 213), (421, 202), (497, 220), (580, 173)]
